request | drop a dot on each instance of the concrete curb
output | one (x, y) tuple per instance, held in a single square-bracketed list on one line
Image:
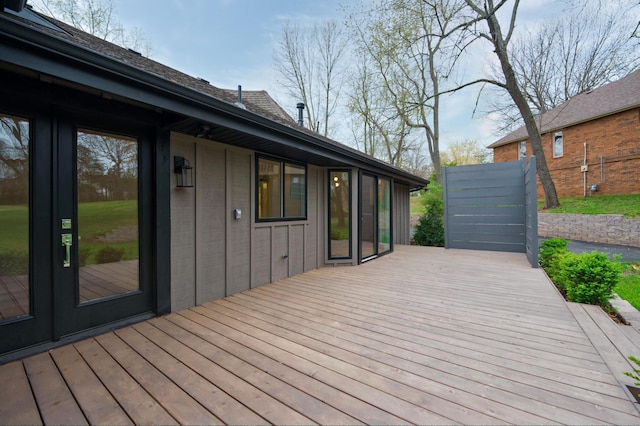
[(626, 311)]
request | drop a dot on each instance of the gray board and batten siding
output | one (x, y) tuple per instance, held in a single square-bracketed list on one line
[(492, 207)]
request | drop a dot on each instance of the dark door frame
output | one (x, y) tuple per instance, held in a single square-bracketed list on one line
[(47, 106)]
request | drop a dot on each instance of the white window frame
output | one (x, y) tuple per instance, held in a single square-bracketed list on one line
[(522, 150), (557, 142)]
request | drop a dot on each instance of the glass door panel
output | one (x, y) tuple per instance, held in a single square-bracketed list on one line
[(339, 214), (107, 188), (15, 287), (384, 215), (368, 217)]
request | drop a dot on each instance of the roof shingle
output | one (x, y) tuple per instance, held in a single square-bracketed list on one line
[(609, 99)]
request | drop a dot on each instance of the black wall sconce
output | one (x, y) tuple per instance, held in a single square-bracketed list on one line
[(184, 172)]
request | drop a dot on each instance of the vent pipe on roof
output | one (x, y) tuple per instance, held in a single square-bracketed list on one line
[(300, 107), (239, 103)]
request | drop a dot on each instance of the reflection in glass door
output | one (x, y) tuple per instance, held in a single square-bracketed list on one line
[(368, 217), (384, 215), (107, 188), (340, 214), (15, 288)]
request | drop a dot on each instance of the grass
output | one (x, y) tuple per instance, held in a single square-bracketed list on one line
[(629, 286), (626, 205), (96, 219)]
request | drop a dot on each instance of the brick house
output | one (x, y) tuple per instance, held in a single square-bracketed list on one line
[(591, 142)]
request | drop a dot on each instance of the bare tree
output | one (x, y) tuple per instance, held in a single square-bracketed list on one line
[(310, 66), (96, 17), (408, 45), (484, 11), (589, 46), (380, 131)]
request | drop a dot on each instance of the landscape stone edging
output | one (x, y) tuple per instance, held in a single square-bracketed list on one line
[(601, 228)]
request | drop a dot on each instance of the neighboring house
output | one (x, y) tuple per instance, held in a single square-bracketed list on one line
[(591, 142), (138, 190)]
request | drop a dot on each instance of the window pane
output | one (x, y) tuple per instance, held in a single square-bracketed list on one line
[(339, 215), (384, 215), (557, 144), (269, 189), (368, 219), (295, 188), (14, 217), (107, 179)]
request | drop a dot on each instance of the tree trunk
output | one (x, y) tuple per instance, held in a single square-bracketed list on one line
[(550, 195)]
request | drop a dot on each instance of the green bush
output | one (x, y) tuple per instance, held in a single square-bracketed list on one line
[(430, 229), (109, 254), (589, 277), (550, 253)]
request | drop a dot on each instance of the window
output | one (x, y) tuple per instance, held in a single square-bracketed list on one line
[(339, 214), (557, 144), (523, 150), (281, 190)]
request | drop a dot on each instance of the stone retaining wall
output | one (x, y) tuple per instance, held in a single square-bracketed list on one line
[(601, 228)]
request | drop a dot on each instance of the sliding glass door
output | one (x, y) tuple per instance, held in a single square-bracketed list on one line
[(375, 216)]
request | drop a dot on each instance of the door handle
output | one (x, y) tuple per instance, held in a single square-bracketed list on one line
[(67, 241)]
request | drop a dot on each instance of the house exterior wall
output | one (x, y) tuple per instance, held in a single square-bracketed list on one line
[(612, 152), (214, 255), (401, 214)]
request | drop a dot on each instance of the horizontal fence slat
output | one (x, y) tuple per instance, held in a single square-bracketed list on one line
[(488, 238), (511, 248), (512, 210), (495, 229), (455, 221), (482, 182), (498, 202)]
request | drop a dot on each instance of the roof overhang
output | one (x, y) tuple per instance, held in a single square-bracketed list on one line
[(42, 52)]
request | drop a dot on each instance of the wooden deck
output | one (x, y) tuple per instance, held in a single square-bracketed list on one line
[(96, 281), (424, 335)]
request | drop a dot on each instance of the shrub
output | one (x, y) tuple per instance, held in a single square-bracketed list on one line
[(83, 255), (549, 249), (430, 229), (589, 277), (109, 254), (550, 254)]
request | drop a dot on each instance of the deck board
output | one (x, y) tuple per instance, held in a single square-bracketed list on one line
[(423, 335)]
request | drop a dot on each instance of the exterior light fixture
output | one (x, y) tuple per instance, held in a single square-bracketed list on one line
[(184, 172)]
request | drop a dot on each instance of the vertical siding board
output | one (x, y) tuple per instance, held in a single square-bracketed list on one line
[(261, 256), (401, 214), (296, 255), (239, 231), (210, 220), (279, 249), (183, 229)]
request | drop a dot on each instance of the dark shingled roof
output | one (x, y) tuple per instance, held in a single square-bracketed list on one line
[(258, 102), (611, 98)]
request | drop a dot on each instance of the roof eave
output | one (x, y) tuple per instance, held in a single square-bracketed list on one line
[(40, 40)]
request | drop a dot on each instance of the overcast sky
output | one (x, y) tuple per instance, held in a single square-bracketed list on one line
[(231, 42)]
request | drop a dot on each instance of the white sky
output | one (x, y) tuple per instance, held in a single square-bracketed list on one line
[(231, 42)]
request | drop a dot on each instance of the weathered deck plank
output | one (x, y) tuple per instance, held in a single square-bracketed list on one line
[(423, 335)]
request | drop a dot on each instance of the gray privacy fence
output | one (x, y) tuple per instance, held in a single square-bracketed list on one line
[(492, 207)]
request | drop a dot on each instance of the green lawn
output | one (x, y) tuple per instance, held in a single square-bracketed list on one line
[(629, 286), (96, 219), (627, 205)]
